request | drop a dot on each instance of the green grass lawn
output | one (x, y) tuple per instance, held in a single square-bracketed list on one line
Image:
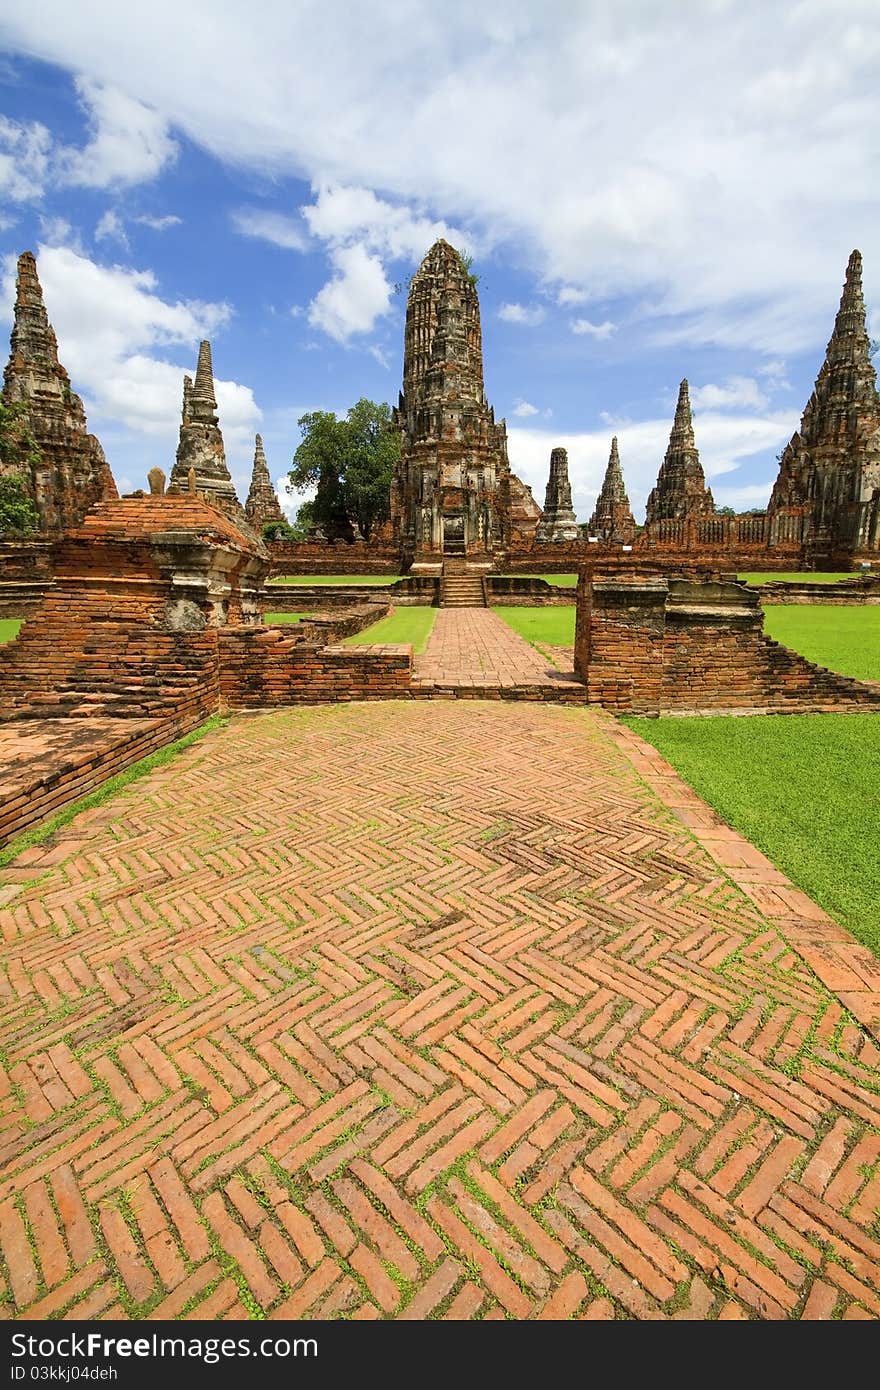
[(803, 788), (311, 579), (554, 627), (9, 628), (402, 625), (564, 581), (277, 618), (811, 576), (845, 639)]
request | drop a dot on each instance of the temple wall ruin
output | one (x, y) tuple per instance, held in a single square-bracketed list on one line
[(656, 645)]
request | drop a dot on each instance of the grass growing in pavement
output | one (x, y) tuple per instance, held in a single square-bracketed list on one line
[(310, 579), (552, 626), (845, 639), (286, 617), (402, 625), (38, 833), (803, 788), (812, 576), (9, 628)]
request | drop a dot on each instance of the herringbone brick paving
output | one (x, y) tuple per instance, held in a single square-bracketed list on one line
[(419, 1011)]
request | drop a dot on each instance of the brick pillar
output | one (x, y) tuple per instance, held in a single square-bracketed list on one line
[(619, 641)]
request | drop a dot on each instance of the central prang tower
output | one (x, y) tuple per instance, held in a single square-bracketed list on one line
[(451, 490)]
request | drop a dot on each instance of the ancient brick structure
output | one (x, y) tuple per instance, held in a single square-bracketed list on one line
[(72, 472), (680, 493), (262, 505), (655, 644), (525, 514), (558, 521), (129, 627), (201, 443), (451, 489), (612, 520), (830, 470)]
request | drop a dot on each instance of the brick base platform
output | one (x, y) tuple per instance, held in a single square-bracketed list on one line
[(394, 1011)]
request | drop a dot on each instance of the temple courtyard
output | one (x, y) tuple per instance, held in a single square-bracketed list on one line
[(429, 1009)]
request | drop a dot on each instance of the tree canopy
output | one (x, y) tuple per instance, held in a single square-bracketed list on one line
[(349, 463), (18, 452)]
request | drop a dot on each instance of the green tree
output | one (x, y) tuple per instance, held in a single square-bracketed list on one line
[(18, 515), (18, 453), (296, 530), (349, 463), (724, 511)]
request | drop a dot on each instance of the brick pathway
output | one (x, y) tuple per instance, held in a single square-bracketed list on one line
[(422, 1011), (472, 648)]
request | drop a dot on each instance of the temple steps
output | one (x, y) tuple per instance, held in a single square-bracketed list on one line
[(461, 591)]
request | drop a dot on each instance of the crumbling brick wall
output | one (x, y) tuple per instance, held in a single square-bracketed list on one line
[(650, 645), (263, 667)]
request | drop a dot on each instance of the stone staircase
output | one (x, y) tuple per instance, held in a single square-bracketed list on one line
[(459, 587)]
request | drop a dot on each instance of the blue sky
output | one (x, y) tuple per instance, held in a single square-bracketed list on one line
[(650, 191)]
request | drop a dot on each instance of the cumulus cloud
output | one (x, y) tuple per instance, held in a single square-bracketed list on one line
[(529, 315), (130, 143), (24, 159), (275, 227), (110, 227), (158, 224), (341, 214), (675, 155), (356, 296), (593, 330), (524, 409), (738, 391), (569, 295)]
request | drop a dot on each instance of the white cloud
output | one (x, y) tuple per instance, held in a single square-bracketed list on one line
[(270, 226), (381, 357), (341, 214), (527, 315), (524, 409), (599, 331), (24, 159), (158, 224), (355, 298), (738, 391), (131, 141), (712, 161), (569, 295), (110, 227)]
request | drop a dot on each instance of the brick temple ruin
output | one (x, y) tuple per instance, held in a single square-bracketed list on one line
[(452, 488), (69, 472)]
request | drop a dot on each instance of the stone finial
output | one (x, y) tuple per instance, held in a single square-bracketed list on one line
[(558, 521), (185, 414), (191, 480), (680, 493), (67, 473), (612, 518), (156, 479), (202, 401), (262, 505)]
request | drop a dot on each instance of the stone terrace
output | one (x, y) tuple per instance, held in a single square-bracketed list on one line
[(407, 1010), (473, 652)]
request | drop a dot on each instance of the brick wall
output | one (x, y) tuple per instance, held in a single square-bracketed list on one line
[(359, 557), (262, 667), (861, 590), (655, 645)]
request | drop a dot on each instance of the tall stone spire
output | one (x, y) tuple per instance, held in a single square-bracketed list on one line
[(681, 493), (558, 522), (262, 504), (830, 469), (612, 518), (201, 442), (451, 489), (72, 473)]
